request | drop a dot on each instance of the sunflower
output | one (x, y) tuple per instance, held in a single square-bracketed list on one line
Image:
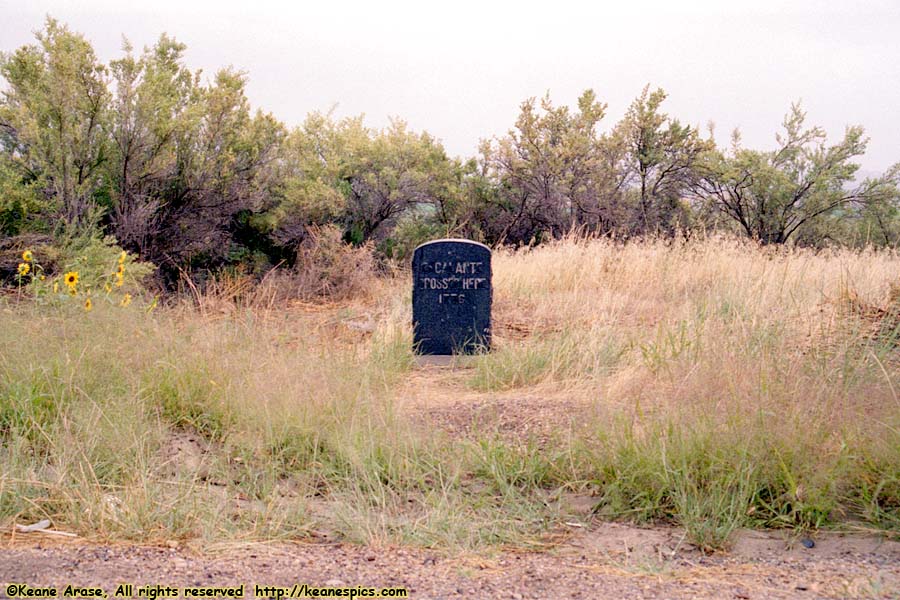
[(120, 269), (126, 299), (88, 305), (122, 257), (71, 279), (107, 287), (27, 256), (120, 279), (23, 269)]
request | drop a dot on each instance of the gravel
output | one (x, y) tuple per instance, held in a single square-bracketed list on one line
[(605, 561)]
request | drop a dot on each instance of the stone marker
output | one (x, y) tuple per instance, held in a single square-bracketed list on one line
[(451, 297)]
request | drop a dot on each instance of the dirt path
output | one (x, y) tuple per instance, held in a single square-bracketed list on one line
[(607, 561), (438, 397)]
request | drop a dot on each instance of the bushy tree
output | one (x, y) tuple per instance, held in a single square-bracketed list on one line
[(772, 195), (310, 190), (53, 116), (390, 172), (174, 167), (152, 112), (360, 179), (225, 169), (22, 205), (657, 157), (546, 170), (878, 220), (556, 171)]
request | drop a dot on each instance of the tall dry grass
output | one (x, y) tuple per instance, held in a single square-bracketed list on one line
[(730, 384), (721, 385)]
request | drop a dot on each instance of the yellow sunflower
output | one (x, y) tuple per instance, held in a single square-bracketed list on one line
[(126, 299), (71, 279), (120, 269), (88, 305), (120, 279), (27, 256), (122, 257), (23, 269)]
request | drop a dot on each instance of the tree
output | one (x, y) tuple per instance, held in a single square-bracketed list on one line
[(21, 203), (546, 170), (772, 195), (359, 179), (225, 172), (878, 220), (309, 190), (390, 172), (53, 117), (658, 158), (190, 166), (152, 109)]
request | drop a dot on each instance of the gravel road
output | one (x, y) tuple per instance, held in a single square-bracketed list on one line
[(606, 561)]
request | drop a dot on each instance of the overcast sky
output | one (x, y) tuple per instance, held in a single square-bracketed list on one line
[(460, 69)]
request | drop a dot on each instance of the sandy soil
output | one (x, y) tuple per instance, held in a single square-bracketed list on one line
[(607, 560)]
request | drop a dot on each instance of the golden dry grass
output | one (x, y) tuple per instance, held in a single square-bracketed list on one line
[(712, 383)]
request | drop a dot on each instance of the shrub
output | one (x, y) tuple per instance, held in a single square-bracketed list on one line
[(409, 233), (328, 267)]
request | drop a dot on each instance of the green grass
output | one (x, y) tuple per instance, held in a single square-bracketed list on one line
[(713, 414), (568, 355)]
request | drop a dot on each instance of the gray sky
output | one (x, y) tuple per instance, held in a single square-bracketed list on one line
[(460, 69)]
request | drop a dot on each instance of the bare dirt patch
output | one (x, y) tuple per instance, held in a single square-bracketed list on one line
[(607, 560), (438, 396)]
